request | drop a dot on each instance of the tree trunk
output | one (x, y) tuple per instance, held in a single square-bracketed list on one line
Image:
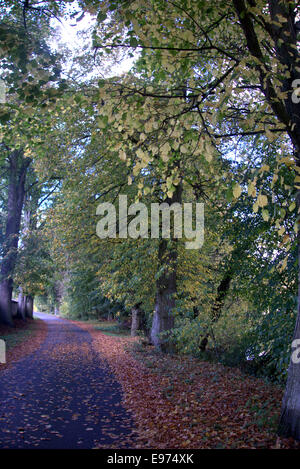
[(284, 35), (109, 316), (163, 320), (16, 190), (21, 305), (289, 424), (29, 306), (135, 320), (59, 290), (166, 288), (5, 302), (216, 311)]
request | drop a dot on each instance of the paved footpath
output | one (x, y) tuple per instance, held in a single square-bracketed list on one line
[(62, 396)]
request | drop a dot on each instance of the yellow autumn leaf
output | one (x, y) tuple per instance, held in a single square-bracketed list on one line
[(262, 200), (286, 238), (264, 168), (122, 155), (252, 189), (287, 160), (165, 150), (265, 214), (237, 190), (283, 264)]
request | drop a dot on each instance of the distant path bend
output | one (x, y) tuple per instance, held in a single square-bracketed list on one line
[(61, 396)]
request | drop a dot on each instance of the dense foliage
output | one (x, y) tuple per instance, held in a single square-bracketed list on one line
[(204, 115)]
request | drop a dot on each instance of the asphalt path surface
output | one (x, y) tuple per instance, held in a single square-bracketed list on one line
[(62, 396)]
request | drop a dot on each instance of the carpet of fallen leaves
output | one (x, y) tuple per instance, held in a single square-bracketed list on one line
[(182, 402), (62, 396), (29, 342)]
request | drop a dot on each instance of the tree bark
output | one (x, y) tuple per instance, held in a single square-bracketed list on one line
[(29, 306), (166, 288), (135, 320), (289, 423), (5, 302), (163, 320), (21, 305), (216, 311), (109, 316), (16, 190)]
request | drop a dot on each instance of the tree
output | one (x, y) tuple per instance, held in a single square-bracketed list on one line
[(207, 77), (34, 265), (18, 166), (282, 30), (268, 31), (28, 67)]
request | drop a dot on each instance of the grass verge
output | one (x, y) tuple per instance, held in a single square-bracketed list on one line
[(22, 339), (111, 328)]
